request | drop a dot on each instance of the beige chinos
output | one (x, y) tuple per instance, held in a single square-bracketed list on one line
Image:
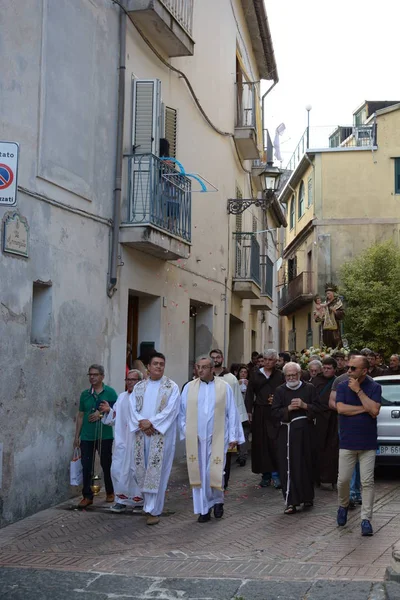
[(347, 462)]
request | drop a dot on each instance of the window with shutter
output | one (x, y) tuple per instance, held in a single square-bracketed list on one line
[(146, 116), (171, 120)]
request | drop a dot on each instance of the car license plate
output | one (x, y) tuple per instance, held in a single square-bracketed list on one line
[(388, 450)]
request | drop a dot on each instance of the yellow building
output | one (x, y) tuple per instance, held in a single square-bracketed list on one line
[(340, 200)]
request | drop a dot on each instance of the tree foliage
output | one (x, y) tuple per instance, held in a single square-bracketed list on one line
[(371, 290)]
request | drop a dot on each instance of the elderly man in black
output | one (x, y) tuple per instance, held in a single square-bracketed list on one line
[(293, 409), (259, 396)]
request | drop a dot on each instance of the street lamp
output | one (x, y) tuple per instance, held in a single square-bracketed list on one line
[(271, 179), (308, 108)]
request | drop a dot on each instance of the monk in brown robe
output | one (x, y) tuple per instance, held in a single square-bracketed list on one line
[(259, 397), (293, 410), (326, 426)]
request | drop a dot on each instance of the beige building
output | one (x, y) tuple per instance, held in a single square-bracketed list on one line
[(340, 200)]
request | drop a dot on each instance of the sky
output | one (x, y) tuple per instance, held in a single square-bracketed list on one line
[(332, 56)]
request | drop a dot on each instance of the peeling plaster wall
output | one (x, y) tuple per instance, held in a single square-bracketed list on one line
[(51, 108)]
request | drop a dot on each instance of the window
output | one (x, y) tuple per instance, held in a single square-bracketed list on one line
[(254, 224), (146, 116), (310, 192), (41, 313), (397, 175), (292, 210), (301, 200)]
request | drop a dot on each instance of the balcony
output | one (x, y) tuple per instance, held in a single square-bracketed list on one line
[(245, 124), (247, 276), (166, 22), (160, 204), (296, 294)]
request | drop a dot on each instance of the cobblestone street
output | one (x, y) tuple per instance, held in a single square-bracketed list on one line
[(253, 541)]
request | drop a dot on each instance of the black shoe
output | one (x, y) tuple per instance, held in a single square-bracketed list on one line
[(218, 510), (242, 462), (204, 518)]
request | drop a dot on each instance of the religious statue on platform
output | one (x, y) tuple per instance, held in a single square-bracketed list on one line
[(329, 314)]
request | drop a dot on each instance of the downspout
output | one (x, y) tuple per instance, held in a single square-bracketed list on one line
[(226, 349), (111, 289)]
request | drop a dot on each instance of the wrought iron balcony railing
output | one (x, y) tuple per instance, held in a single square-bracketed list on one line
[(247, 264), (159, 195)]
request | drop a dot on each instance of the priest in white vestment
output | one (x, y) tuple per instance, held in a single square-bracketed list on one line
[(210, 423), (127, 493), (152, 419)]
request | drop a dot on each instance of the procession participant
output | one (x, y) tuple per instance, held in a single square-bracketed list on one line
[(92, 435), (314, 369), (118, 417), (253, 364), (293, 408), (394, 365), (152, 417), (210, 423), (259, 396), (340, 358), (326, 425), (283, 358), (358, 402), (220, 371)]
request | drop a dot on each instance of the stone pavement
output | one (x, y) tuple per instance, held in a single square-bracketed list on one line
[(254, 540)]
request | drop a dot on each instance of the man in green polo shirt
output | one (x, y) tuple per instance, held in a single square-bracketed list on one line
[(92, 435)]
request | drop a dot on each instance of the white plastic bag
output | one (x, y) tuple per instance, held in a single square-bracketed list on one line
[(75, 469)]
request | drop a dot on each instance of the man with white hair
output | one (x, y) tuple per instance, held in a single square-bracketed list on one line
[(259, 395), (118, 417), (293, 408), (314, 369)]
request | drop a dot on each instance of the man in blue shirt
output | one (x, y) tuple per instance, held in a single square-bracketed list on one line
[(358, 402)]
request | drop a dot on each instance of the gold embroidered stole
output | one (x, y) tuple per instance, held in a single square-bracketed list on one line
[(218, 437)]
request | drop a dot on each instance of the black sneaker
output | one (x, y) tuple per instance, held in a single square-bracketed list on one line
[(204, 518), (218, 510)]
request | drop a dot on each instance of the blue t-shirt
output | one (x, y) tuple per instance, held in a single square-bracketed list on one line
[(358, 432)]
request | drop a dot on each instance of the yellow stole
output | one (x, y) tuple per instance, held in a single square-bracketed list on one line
[(218, 437)]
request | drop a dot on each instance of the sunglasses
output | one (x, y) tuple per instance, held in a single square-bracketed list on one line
[(354, 368)]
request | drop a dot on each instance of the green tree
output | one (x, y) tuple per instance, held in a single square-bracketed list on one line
[(371, 290)]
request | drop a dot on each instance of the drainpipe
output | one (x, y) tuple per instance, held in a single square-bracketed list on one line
[(111, 289), (226, 347)]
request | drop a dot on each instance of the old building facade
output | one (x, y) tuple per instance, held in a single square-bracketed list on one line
[(340, 200), (140, 127)]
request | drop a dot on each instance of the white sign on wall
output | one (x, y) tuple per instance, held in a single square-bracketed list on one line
[(8, 173)]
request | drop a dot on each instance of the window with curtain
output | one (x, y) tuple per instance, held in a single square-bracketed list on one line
[(301, 200)]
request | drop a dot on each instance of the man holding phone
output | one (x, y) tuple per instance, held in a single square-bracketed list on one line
[(358, 402)]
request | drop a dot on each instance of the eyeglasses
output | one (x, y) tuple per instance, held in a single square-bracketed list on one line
[(352, 368), (94, 375), (291, 375), (129, 379), (203, 368)]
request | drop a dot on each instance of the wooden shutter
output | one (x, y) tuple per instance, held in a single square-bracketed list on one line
[(171, 116), (146, 116)]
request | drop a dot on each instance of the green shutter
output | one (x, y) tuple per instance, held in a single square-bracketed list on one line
[(397, 175), (171, 116)]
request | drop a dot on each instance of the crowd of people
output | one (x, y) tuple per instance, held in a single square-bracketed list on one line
[(314, 427)]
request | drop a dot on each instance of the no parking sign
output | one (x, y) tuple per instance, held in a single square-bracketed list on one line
[(8, 173)]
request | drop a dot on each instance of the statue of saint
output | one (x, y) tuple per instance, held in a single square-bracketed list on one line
[(329, 314)]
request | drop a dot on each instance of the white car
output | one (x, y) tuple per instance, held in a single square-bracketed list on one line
[(388, 452)]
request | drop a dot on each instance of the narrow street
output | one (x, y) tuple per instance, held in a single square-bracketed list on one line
[(255, 551)]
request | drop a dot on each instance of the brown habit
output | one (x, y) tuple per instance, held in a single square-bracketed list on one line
[(264, 430)]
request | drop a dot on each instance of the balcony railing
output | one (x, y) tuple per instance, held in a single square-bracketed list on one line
[(297, 293), (159, 196), (182, 11), (247, 266)]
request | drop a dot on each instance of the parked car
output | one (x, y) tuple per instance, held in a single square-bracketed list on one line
[(388, 452)]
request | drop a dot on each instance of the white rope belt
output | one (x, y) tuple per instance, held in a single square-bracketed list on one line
[(287, 453)]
